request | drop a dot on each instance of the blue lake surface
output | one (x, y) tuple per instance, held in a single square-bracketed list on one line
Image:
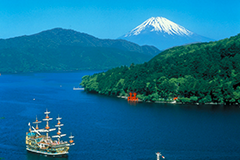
[(108, 128)]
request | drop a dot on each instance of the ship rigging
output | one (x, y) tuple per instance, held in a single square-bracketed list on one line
[(44, 144)]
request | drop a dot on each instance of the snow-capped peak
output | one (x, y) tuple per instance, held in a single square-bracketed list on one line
[(160, 24)]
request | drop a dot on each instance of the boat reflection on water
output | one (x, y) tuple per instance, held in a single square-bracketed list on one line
[(35, 156), (132, 103)]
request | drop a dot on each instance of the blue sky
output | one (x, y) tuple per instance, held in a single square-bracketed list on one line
[(215, 19)]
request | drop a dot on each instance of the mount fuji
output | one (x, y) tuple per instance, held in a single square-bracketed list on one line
[(162, 33)]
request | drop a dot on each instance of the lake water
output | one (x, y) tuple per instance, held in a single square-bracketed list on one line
[(108, 128)]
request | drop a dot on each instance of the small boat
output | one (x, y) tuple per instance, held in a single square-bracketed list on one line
[(44, 144), (80, 89)]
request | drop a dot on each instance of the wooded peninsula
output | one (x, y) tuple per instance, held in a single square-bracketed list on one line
[(196, 73)]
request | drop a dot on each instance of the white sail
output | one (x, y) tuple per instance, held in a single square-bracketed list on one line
[(42, 130), (59, 118), (52, 129), (59, 136), (47, 112), (47, 119), (62, 135), (59, 125), (47, 130), (37, 122)]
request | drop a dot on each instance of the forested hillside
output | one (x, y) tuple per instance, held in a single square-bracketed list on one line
[(67, 50), (196, 73)]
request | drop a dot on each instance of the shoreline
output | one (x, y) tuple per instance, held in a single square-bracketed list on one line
[(175, 102)]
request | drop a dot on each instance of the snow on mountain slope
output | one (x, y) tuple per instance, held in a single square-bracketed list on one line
[(162, 33), (160, 24)]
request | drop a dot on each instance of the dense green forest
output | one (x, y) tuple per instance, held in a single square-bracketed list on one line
[(67, 50), (196, 73)]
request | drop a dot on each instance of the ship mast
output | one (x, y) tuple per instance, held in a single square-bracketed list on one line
[(47, 119), (36, 122), (59, 125), (71, 141), (29, 127)]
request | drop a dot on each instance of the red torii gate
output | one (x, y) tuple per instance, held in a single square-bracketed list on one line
[(132, 97)]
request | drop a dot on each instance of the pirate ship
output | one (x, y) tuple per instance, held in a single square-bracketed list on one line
[(44, 144)]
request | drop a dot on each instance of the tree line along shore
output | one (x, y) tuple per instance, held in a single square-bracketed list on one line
[(196, 73)]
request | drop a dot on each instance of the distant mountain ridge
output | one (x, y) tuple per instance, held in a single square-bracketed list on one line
[(162, 33), (58, 36), (66, 50)]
